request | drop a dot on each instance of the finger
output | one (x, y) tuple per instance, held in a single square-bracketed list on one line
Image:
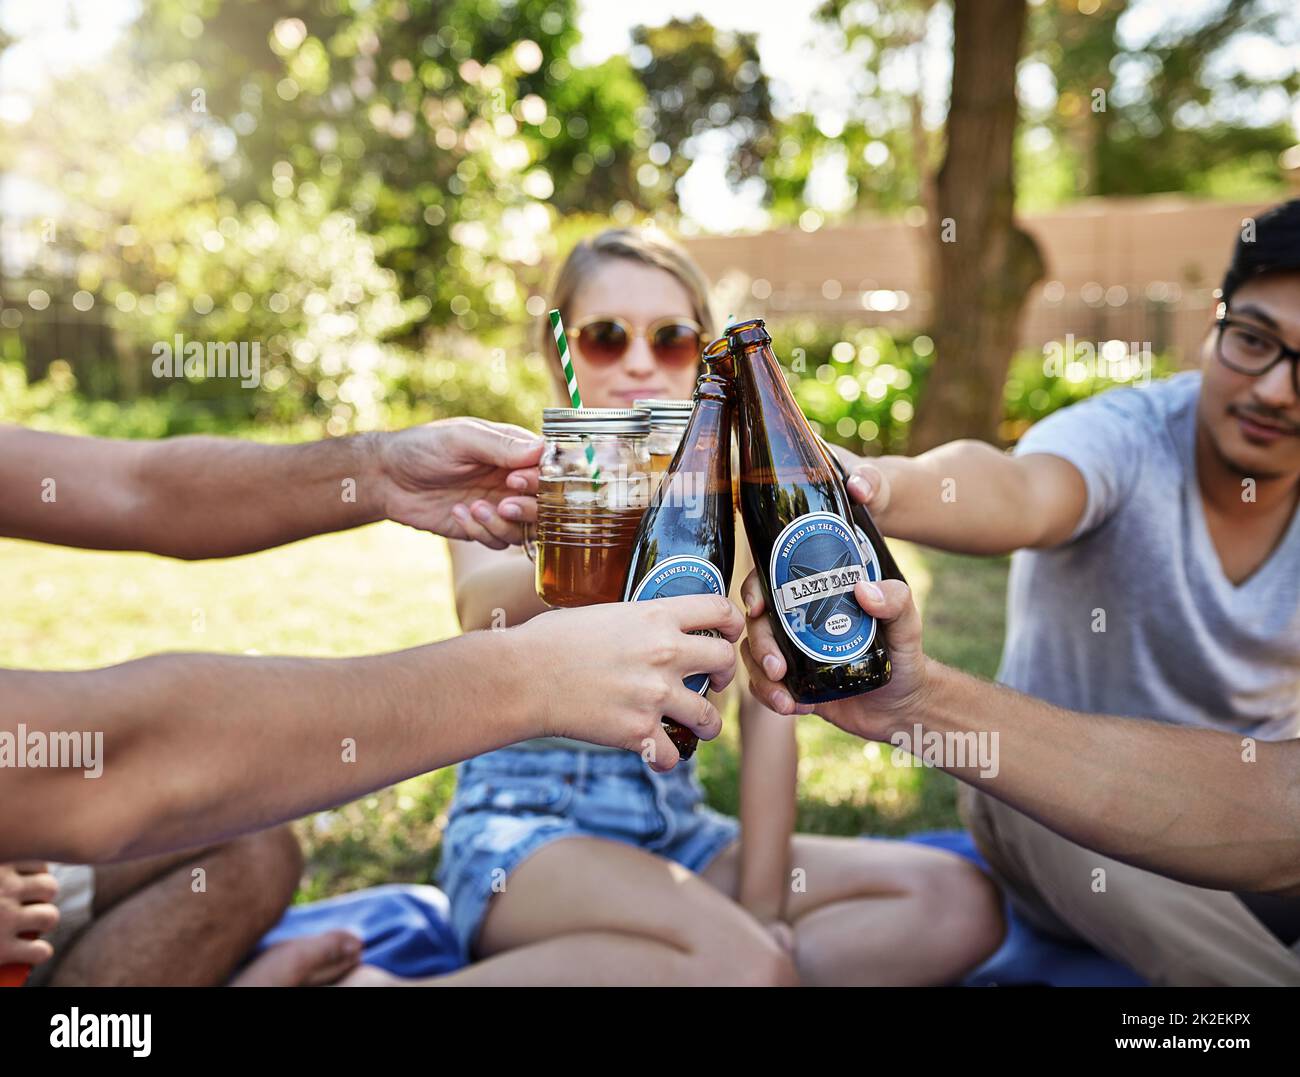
[(28, 951), (663, 754), (36, 919), (707, 654), (706, 611), (31, 867), (762, 641), (720, 682), (521, 510), (501, 444), (37, 888), (890, 601), (694, 711), (524, 480), (864, 483), (485, 513), (771, 693), (473, 530), (751, 594)]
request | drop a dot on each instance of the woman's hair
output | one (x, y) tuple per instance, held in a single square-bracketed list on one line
[(648, 246)]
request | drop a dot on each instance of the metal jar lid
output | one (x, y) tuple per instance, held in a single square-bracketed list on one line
[(580, 421), (667, 412)]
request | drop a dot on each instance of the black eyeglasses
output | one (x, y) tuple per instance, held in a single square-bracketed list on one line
[(1247, 349)]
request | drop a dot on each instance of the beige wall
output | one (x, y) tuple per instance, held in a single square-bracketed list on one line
[(1155, 262)]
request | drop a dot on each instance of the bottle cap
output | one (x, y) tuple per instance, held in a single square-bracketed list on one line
[(580, 421), (667, 412)]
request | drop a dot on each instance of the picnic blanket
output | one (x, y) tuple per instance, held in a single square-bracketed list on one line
[(1027, 956), (407, 931)]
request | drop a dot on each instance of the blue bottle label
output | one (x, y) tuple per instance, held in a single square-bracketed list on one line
[(682, 575), (816, 562)]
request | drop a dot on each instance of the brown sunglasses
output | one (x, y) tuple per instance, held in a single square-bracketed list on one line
[(673, 341)]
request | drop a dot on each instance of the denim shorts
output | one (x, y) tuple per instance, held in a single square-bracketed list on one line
[(512, 802)]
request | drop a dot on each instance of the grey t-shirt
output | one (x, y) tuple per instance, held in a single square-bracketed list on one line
[(1181, 643)]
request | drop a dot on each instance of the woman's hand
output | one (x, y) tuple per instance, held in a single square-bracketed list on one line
[(609, 673)]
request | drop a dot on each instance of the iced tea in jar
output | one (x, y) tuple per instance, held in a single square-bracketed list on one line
[(594, 487)]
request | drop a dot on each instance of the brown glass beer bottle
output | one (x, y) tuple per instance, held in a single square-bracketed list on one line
[(686, 543), (808, 552)]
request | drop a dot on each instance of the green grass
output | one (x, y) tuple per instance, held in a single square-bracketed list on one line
[(386, 587)]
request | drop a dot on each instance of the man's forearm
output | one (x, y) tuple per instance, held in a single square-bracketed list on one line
[(1182, 802), (197, 748), (188, 497), (965, 496)]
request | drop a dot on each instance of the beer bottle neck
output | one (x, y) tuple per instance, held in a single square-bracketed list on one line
[(706, 444), (773, 431), (715, 385)]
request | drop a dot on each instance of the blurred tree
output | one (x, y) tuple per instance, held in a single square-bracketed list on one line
[(444, 127), (594, 159), (700, 80), (406, 158), (1173, 109), (147, 229), (1197, 102), (890, 154), (984, 264), (980, 266)]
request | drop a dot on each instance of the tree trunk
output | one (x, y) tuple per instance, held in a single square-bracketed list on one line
[(985, 264), (927, 190)]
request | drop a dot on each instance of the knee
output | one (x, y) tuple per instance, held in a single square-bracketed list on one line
[(965, 905), (270, 863), (743, 954), (771, 965)]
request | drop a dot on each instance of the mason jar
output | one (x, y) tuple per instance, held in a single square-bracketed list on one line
[(593, 489), (668, 419)]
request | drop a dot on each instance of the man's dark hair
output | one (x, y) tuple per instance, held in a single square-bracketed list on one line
[(1271, 241)]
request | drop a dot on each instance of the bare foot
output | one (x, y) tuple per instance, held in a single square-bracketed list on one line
[(307, 962), (371, 976)]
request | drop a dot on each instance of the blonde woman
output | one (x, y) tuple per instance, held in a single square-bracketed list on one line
[(572, 864)]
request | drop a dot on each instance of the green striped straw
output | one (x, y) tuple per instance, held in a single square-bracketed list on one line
[(575, 397)]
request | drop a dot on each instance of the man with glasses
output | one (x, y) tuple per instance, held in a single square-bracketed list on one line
[(1158, 576)]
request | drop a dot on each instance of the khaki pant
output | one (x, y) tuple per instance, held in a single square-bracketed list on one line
[(1170, 933)]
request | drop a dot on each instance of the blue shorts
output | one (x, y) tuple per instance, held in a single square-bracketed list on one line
[(511, 802)]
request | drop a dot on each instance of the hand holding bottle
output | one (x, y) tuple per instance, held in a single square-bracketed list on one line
[(608, 674), (872, 716)]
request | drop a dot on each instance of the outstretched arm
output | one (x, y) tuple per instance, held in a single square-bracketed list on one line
[(969, 497), (197, 748), (196, 497), (1196, 805)]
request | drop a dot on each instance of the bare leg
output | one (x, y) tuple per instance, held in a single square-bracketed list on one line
[(154, 925), (882, 912), (594, 912)]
